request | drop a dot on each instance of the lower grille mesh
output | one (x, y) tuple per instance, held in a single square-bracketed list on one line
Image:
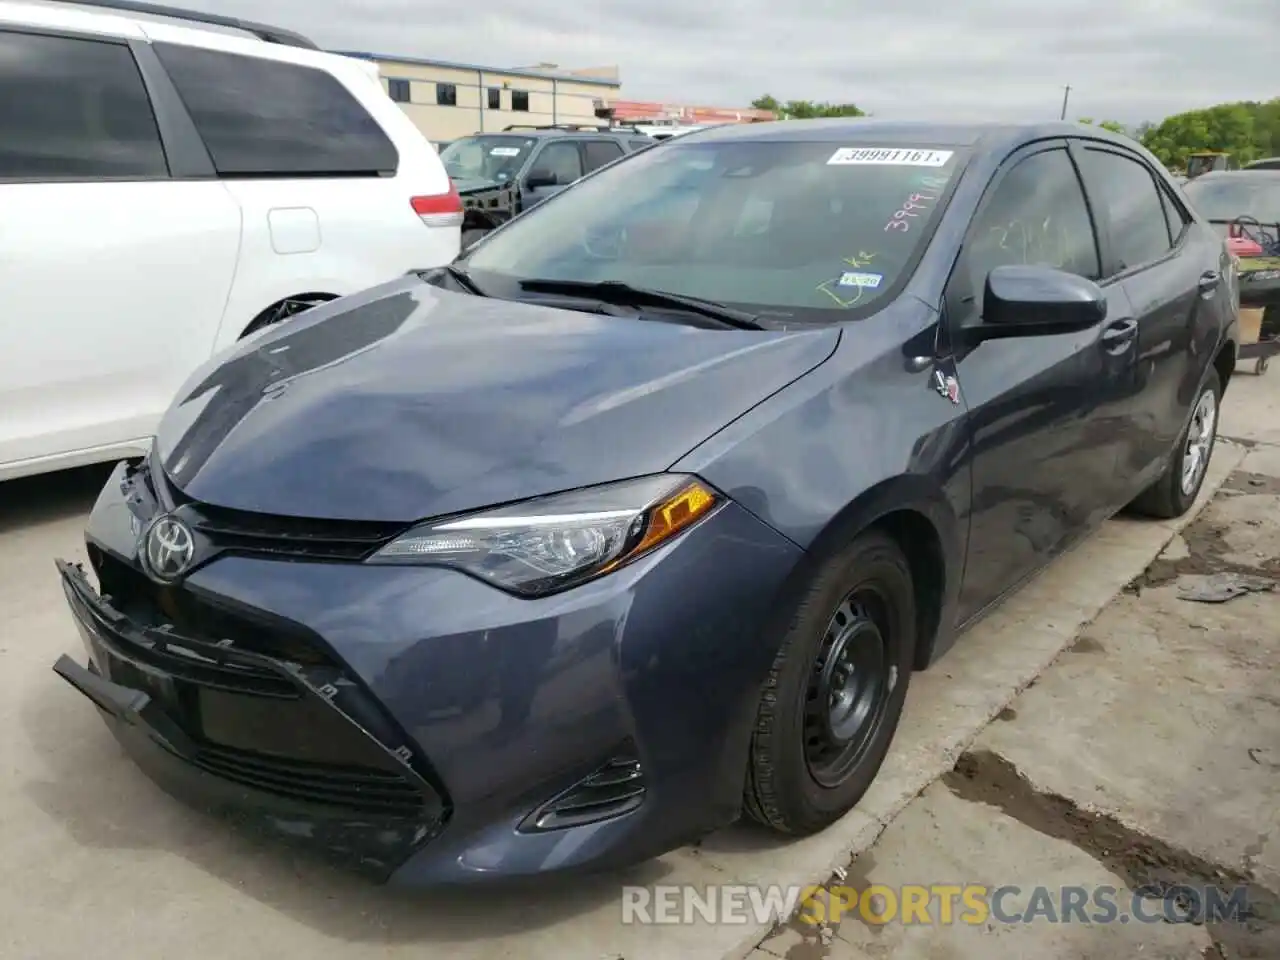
[(357, 789)]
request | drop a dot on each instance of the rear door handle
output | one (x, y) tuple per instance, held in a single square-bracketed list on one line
[(1209, 281)]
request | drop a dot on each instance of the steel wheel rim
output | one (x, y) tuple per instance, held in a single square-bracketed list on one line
[(1200, 434), (849, 687)]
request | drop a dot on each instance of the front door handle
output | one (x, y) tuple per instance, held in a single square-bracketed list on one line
[(1118, 335), (1209, 281)]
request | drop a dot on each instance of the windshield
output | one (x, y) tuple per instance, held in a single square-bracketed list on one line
[(773, 227), (497, 158), (1230, 197)]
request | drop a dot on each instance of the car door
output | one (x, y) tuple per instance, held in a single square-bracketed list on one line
[(563, 158), (1170, 278), (113, 274), (1039, 407)]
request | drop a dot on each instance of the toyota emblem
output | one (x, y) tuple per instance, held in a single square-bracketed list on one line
[(168, 548)]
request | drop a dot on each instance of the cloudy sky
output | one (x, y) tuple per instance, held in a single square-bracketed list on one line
[(1129, 60)]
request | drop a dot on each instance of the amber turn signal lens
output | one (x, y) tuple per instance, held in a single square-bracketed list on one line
[(681, 510)]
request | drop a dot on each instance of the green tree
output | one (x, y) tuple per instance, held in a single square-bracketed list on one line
[(1247, 130), (805, 109), (1115, 126)]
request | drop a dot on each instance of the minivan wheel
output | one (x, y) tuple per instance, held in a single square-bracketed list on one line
[(833, 698), (1176, 490)]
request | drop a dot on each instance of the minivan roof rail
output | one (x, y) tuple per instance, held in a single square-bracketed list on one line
[(262, 31)]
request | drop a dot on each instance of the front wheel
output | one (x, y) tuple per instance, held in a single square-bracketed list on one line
[(834, 695), (1174, 493)]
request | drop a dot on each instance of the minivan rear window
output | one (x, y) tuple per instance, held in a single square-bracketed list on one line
[(264, 118)]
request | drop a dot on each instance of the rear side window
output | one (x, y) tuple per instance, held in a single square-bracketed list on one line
[(74, 110), (263, 118), (600, 152), (1124, 193), (639, 144)]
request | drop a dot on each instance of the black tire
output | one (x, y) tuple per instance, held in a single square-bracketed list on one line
[(1167, 498), (784, 788), (471, 236)]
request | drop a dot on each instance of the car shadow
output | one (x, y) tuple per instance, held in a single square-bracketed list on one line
[(103, 802), (47, 498)]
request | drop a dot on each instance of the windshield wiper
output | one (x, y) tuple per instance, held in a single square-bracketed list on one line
[(463, 279), (623, 294)]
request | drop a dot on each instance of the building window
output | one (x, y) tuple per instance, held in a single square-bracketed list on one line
[(398, 90), (495, 98), (447, 94), (520, 100)]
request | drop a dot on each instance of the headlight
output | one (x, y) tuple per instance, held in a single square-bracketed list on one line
[(540, 546)]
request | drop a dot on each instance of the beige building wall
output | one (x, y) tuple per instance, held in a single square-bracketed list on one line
[(547, 98)]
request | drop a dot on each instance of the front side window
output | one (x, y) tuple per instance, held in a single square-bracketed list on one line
[(262, 117), (562, 159), (1035, 216), (497, 158), (74, 110), (1124, 193), (796, 229)]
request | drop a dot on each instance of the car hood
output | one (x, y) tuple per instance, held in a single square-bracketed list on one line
[(406, 402), (468, 185)]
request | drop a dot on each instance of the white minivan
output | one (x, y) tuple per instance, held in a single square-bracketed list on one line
[(168, 186)]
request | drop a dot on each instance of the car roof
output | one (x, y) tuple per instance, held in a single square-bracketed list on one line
[(855, 130)]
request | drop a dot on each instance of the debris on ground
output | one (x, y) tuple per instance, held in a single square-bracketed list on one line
[(1221, 587)]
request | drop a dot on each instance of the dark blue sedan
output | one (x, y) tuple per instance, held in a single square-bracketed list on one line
[(641, 514)]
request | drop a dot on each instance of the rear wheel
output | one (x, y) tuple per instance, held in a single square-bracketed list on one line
[(284, 310), (832, 702), (1174, 493)]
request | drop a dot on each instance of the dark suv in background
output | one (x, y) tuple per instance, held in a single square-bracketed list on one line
[(499, 175)]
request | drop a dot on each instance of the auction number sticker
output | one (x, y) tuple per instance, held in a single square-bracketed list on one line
[(505, 152), (884, 157), (855, 279)]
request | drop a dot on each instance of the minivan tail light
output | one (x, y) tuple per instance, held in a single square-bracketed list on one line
[(439, 209)]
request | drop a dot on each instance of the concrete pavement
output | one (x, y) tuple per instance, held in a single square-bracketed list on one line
[(100, 862)]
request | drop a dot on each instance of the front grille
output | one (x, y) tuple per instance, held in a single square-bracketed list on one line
[(352, 788), (306, 734), (615, 788), (203, 617), (262, 534)]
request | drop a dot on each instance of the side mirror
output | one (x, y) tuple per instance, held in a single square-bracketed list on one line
[(1030, 301), (541, 177)]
